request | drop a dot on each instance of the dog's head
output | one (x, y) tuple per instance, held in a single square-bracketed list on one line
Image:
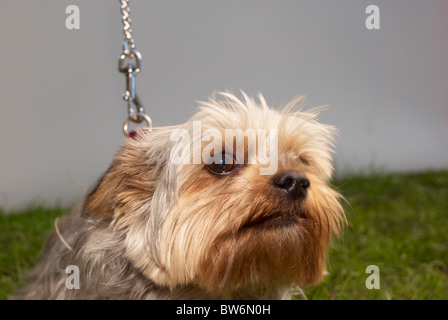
[(237, 197)]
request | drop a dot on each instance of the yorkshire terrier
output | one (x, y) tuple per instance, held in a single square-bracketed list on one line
[(183, 214)]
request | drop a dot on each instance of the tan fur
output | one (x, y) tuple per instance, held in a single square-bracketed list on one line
[(152, 229)]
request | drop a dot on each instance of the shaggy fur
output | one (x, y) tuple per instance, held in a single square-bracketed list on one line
[(153, 229)]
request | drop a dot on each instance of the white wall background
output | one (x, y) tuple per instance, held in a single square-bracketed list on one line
[(61, 110)]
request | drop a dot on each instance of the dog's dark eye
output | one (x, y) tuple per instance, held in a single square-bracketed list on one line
[(304, 160), (224, 166)]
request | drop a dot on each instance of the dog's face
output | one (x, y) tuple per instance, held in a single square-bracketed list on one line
[(214, 212)]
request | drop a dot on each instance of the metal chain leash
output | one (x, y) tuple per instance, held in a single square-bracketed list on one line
[(129, 63), (126, 19)]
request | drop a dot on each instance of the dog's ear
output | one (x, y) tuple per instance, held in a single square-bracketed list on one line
[(126, 184)]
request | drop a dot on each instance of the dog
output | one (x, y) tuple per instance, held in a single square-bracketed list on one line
[(179, 216)]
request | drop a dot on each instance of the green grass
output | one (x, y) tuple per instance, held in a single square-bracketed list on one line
[(22, 237), (398, 223)]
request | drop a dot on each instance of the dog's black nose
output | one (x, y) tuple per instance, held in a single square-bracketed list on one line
[(293, 182)]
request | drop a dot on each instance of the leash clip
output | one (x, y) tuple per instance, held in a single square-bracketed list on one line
[(129, 63)]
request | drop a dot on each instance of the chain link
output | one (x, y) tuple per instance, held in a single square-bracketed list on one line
[(126, 19)]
